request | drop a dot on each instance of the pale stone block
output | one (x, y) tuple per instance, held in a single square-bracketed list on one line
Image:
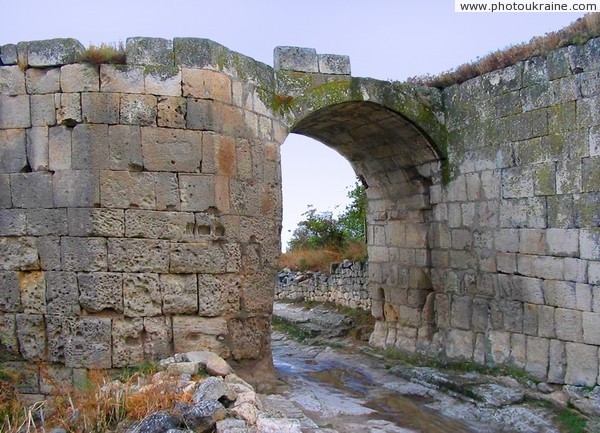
[(296, 59), (461, 312), (5, 196), (79, 77), (583, 293), (507, 240), (121, 189), (100, 107), (53, 52), (518, 350), (528, 290), (218, 295), (12, 81), (19, 253), (138, 255), (334, 64), (575, 270), (568, 325), (197, 192), (532, 241), (31, 332), (96, 222), (198, 257), (594, 272), (199, 333), (69, 109), (89, 147), (582, 364), (13, 154), (13, 222), (75, 188), (84, 254), (172, 111), (513, 316), (101, 291), (163, 82), (591, 328), (180, 293), (167, 191), (560, 294), (173, 150), (41, 81), (138, 109), (562, 242), (499, 347), (159, 338), (127, 342), (8, 54), (523, 212), (14, 112), (557, 362), (517, 182), (546, 324), (589, 243), (37, 148), (59, 148), (62, 294), (141, 295), (547, 267), (530, 319), (537, 357), (160, 225), (124, 148), (47, 222), (10, 294), (121, 79), (49, 253), (43, 111)]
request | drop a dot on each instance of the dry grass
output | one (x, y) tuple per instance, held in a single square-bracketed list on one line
[(105, 53), (577, 33), (320, 260), (102, 405)]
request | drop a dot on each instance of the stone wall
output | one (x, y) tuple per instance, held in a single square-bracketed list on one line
[(345, 285)]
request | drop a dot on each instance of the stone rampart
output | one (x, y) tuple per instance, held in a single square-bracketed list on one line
[(345, 285), (140, 204)]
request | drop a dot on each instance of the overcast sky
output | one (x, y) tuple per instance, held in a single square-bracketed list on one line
[(385, 39)]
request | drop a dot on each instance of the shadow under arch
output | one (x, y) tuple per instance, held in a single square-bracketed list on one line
[(397, 163)]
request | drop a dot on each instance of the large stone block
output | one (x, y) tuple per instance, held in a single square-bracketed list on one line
[(180, 293), (96, 222), (334, 64), (523, 213), (42, 81), (197, 192), (138, 109), (8, 332), (560, 294), (84, 254), (158, 342), (37, 148), (459, 344), (59, 148), (296, 59), (49, 253), (80, 77), (582, 364), (206, 84), (167, 192), (172, 111), (141, 295), (162, 81), (127, 342), (591, 328), (12, 81), (8, 54), (589, 243), (31, 335), (122, 189), (101, 291), (47, 222), (43, 111), (218, 295), (13, 222), (199, 333), (14, 112), (557, 362), (149, 51), (249, 337), (138, 255), (100, 107), (62, 294), (69, 109), (19, 253), (172, 150), (124, 148), (178, 226), (121, 79), (53, 52), (10, 294), (537, 357), (202, 257), (568, 325), (89, 147), (498, 347), (13, 156)]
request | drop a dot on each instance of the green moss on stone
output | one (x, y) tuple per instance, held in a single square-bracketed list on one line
[(161, 72)]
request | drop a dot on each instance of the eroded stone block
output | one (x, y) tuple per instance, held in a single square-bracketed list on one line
[(101, 291), (138, 109), (127, 342), (31, 333), (80, 77), (12, 81), (84, 254), (32, 285), (172, 150), (41, 81), (53, 52), (18, 253), (141, 295), (199, 333), (218, 295), (159, 337), (138, 255), (180, 293), (62, 294)]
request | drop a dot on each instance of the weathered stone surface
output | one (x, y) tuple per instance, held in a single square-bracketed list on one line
[(53, 52), (172, 150), (159, 337), (249, 337), (30, 333), (100, 107), (121, 78), (138, 255), (14, 112), (205, 84), (13, 222), (180, 293), (194, 333), (100, 291), (12, 81), (141, 295), (127, 342), (158, 422), (198, 257), (40, 81), (149, 51), (172, 111), (582, 364), (13, 157), (218, 295), (8, 54), (43, 112), (37, 148), (75, 188), (334, 64), (32, 285), (163, 81), (96, 222), (18, 253), (79, 77), (121, 189), (84, 254), (160, 225), (138, 109), (69, 109), (296, 59), (62, 294), (59, 148), (10, 296)]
